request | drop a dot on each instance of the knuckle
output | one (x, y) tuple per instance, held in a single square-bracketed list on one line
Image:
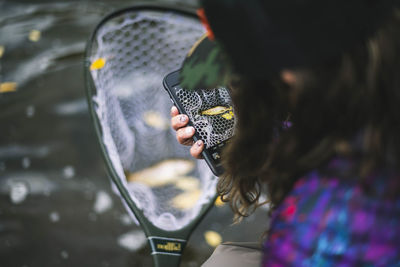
[(194, 152), (175, 123), (182, 135)]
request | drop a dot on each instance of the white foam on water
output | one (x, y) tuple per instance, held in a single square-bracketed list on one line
[(37, 183), (54, 216), (74, 107), (18, 191), (133, 240), (69, 172), (103, 202), (125, 219)]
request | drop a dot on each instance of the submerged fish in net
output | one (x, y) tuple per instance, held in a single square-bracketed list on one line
[(186, 200), (215, 111), (188, 183), (162, 173), (225, 112)]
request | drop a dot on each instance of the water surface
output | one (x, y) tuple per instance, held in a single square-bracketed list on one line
[(56, 203)]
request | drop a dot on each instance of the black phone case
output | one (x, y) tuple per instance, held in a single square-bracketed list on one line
[(169, 82)]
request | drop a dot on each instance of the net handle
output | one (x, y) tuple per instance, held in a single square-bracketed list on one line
[(161, 260)]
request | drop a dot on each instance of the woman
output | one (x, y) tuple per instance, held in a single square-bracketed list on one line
[(332, 71)]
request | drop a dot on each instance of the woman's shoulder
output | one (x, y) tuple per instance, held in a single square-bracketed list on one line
[(331, 218)]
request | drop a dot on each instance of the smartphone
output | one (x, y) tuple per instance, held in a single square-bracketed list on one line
[(211, 114)]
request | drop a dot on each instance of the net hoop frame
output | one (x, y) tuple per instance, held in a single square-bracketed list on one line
[(151, 231)]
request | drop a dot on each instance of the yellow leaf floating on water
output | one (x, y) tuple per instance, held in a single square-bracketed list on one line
[(1, 50), (34, 35), (155, 120), (162, 173), (187, 183), (8, 87), (212, 238), (219, 202), (186, 200), (98, 64)]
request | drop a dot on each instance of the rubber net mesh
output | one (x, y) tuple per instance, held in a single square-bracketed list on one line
[(131, 55)]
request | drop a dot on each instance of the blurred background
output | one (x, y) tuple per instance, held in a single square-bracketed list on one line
[(56, 203)]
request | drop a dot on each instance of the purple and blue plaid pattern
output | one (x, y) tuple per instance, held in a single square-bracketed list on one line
[(329, 219)]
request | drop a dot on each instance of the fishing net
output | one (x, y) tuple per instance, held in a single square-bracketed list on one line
[(211, 113), (130, 56)]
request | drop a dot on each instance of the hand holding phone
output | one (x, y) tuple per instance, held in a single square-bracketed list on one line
[(184, 133), (210, 113)]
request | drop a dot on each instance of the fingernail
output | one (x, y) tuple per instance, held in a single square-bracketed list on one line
[(199, 143), (189, 130), (183, 118)]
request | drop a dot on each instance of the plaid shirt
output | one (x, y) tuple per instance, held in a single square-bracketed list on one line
[(328, 219)]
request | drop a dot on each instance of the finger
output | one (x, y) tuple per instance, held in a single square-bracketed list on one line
[(196, 149), (179, 121), (174, 111), (184, 135)]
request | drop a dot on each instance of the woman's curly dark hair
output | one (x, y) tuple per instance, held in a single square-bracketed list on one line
[(356, 94)]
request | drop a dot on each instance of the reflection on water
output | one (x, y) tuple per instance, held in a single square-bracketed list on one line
[(56, 204)]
